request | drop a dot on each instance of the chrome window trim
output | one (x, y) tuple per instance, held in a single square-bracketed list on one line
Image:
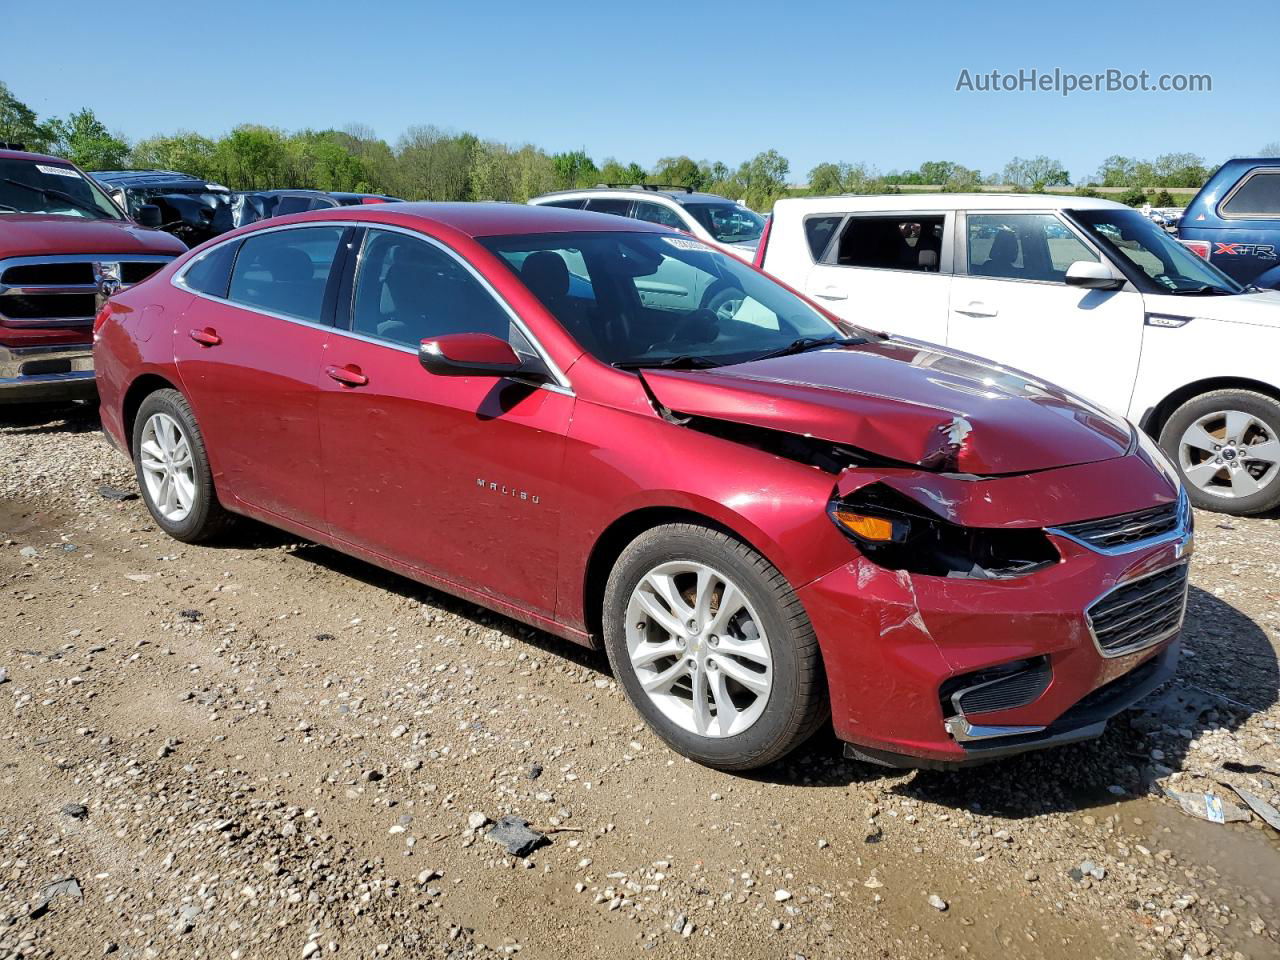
[(1180, 532), (1153, 641), (562, 384)]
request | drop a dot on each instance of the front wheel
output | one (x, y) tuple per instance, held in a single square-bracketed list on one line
[(1226, 445), (713, 648)]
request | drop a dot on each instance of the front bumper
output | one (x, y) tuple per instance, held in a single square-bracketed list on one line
[(891, 640), (47, 373)]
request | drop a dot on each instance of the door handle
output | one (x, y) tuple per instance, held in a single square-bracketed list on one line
[(977, 308), (831, 292), (348, 376), (208, 337)]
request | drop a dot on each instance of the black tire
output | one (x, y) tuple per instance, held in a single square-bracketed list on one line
[(1266, 409), (207, 518), (797, 703)]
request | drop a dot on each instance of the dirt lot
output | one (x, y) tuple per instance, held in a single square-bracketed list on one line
[(268, 750)]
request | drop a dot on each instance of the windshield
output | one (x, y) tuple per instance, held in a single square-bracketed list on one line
[(650, 299), (1171, 266), (727, 222), (28, 186)]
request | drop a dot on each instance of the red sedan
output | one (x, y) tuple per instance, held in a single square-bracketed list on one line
[(612, 432)]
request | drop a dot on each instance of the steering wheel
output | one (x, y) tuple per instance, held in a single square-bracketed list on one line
[(698, 327)]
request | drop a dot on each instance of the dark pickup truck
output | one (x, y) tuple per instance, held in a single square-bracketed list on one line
[(1234, 221)]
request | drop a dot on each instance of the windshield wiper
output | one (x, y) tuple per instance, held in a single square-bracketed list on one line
[(58, 195), (1206, 289), (683, 361), (810, 343)]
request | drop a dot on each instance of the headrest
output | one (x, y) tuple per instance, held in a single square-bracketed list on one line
[(1004, 248), (546, 274), (287, 264)]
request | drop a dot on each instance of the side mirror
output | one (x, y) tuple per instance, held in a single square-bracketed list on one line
[(149, 215), (1092, 276), (469, 354)]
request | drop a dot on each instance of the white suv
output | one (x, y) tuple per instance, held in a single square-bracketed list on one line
[(1085, 293), (722, 223)]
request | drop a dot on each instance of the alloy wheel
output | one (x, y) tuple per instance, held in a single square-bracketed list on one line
[(1230, 453), (168, 469), (698, 649)]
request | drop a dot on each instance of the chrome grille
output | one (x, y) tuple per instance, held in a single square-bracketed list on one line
[(62, 290), (1140, 612), (1111, 533)]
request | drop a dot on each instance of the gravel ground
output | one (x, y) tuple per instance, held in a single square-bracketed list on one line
[(267, 750)]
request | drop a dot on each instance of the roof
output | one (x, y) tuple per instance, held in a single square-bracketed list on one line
[(33, 157), (484, 219), (144, 177), (887, 202), (679, 196)]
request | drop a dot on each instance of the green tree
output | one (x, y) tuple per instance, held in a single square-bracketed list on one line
[(185, 152), (19, 124), (960, 179), (611, 171), (434, 165), (937, 172), (764, 179), (680, 171), (252, 157), (1180, 170), (85, 140), (1036, 173), (575, 169), (1133, 197), (1163, 198), (1116, 171), (1083, 191)]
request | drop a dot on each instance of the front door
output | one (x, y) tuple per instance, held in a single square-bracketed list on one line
[(888, 272), (249, 361), (455, 476), (1013, 306)]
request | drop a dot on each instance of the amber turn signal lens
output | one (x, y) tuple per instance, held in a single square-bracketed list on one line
[(877, 529)]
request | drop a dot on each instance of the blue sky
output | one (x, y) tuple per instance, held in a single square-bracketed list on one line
[(816, 81)]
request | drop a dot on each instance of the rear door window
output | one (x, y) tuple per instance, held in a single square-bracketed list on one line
[(894, 242), (1258, 196), (211, 273), (614, 205), (286, 271), (656, 213)]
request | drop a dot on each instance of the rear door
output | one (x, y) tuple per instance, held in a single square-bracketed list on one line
[(249, 353), (1011, 304), (888, 271)]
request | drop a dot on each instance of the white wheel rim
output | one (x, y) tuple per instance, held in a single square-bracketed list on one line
[(1230, 454), (698, 649), (168, 471)]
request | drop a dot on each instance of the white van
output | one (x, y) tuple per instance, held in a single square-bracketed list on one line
[(1085, 293)]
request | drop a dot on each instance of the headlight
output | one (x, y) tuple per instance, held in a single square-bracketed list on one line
[(897, 533)]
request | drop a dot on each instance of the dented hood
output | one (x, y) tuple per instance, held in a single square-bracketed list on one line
[(904, 401)]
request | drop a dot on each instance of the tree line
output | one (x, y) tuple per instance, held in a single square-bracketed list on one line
[(428, 163)]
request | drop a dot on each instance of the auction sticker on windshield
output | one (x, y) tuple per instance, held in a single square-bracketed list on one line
[(57, 171), (684, 243)]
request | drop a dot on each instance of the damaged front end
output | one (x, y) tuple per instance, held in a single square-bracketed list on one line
[(962, 627)]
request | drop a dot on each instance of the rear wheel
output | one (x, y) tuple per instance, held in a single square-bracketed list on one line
[(713, 648), (1226, 445), (173, 469)]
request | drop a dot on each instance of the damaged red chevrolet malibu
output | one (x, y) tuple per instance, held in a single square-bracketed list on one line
[(616, 434)]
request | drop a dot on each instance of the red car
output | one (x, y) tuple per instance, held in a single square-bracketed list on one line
[(765, 517)]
